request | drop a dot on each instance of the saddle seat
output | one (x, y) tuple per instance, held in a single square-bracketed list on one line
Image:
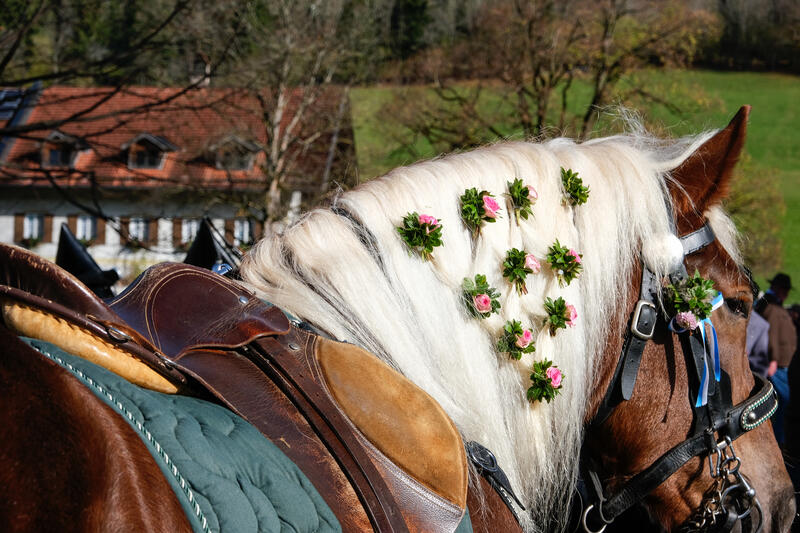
[(178, 326)]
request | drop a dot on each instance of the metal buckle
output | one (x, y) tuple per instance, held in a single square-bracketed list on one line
[(644, 335)]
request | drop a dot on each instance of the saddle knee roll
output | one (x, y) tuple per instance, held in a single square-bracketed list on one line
[(38, 324), (401, 420)]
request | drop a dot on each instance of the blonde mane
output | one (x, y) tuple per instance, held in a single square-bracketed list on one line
[(346, 270)]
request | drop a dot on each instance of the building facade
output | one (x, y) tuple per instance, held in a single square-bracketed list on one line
[(132, 172)]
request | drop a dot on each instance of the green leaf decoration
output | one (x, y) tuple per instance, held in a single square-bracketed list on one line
[(567, 264), (515, 341), (694, 295), (560, 314), (477, 208), (515, 269), (479, 298), (522, 199), (422, 233), (575, 192), (546, 381)]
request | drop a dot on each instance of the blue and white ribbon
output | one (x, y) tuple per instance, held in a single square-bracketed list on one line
[(712, 350)]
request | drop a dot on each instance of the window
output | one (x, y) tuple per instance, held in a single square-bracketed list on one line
[(138, 229), (59, 156), (234, 153), (145, 157), (234, 157), (86, 228), (33, 227), (147, 150), (189, 229), (242, 231)]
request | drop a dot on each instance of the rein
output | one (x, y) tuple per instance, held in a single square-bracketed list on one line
[(717, 423)]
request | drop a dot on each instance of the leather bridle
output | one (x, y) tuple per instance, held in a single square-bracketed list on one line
[(716, 424)]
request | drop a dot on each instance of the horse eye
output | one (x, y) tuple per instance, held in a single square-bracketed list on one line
[(738, 306)]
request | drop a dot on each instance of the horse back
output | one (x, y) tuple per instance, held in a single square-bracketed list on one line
[(70, 462)]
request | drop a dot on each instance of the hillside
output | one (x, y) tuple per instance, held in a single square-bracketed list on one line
[(773, 143)]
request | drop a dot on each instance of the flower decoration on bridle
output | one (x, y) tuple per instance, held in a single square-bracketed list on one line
[(422, 233), (480, 299), (522, 198), (693, 300), (477, 208), (560, 314), (567, 264), (546, 381), (516, 267), (516, 341)]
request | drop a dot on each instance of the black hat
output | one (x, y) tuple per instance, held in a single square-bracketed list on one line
[(781, 281)]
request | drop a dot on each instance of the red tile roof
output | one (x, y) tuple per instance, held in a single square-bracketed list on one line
[(107, 119)]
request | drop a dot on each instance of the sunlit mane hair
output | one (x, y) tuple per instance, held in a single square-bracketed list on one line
[(346, 270)]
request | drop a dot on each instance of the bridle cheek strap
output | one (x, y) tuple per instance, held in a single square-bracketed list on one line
[(718, 420)]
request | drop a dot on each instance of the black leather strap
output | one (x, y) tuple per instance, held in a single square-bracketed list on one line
[(737, 421), (643, 324), (641, 327), (697, 240)]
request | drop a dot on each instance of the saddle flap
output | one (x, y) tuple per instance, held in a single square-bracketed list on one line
[(180, 307)]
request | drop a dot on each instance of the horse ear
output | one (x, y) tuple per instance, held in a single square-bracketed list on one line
[(705, 175)]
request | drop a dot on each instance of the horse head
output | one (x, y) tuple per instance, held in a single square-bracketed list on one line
[(630, 433), (345, 270)]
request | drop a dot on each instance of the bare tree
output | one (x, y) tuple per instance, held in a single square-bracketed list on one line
[(309, 52), (528, 67)]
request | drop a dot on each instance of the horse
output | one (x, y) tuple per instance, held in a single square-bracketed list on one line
[(344, 272)]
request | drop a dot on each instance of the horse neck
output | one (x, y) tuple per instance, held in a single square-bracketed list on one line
[(346, 271)]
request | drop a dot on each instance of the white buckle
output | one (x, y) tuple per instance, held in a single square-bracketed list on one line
[(645, 336)]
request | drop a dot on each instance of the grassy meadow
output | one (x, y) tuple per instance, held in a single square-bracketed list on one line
[(710, 100)]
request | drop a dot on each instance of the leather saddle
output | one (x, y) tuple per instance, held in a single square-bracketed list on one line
[(381, 452)]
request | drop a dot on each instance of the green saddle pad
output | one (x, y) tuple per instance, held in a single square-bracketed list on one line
[(227, 476)]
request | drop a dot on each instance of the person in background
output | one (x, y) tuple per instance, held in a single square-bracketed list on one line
[(782, 345), (758, 344), (792, 418)]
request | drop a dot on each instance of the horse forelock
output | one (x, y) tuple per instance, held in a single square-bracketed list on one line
[(347, 271)]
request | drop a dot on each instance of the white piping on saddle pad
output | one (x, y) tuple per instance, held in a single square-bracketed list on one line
[(137, 424)]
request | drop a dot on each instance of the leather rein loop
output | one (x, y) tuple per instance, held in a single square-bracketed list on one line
[(716, 425)]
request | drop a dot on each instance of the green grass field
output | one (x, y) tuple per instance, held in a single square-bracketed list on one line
[(773, 134)]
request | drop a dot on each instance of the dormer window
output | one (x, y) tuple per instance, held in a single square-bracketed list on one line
[(61, 150), (234, 153), (148, 151)]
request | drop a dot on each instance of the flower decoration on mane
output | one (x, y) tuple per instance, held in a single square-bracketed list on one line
[(567, 264), (517, 266), (516, 341), (575, 192), (477, 208), (546, 381), (422, 233), (691, 300), (480, 299), (522, 198), (560, 314)]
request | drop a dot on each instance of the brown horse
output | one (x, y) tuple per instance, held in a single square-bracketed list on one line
[(345, 271)]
